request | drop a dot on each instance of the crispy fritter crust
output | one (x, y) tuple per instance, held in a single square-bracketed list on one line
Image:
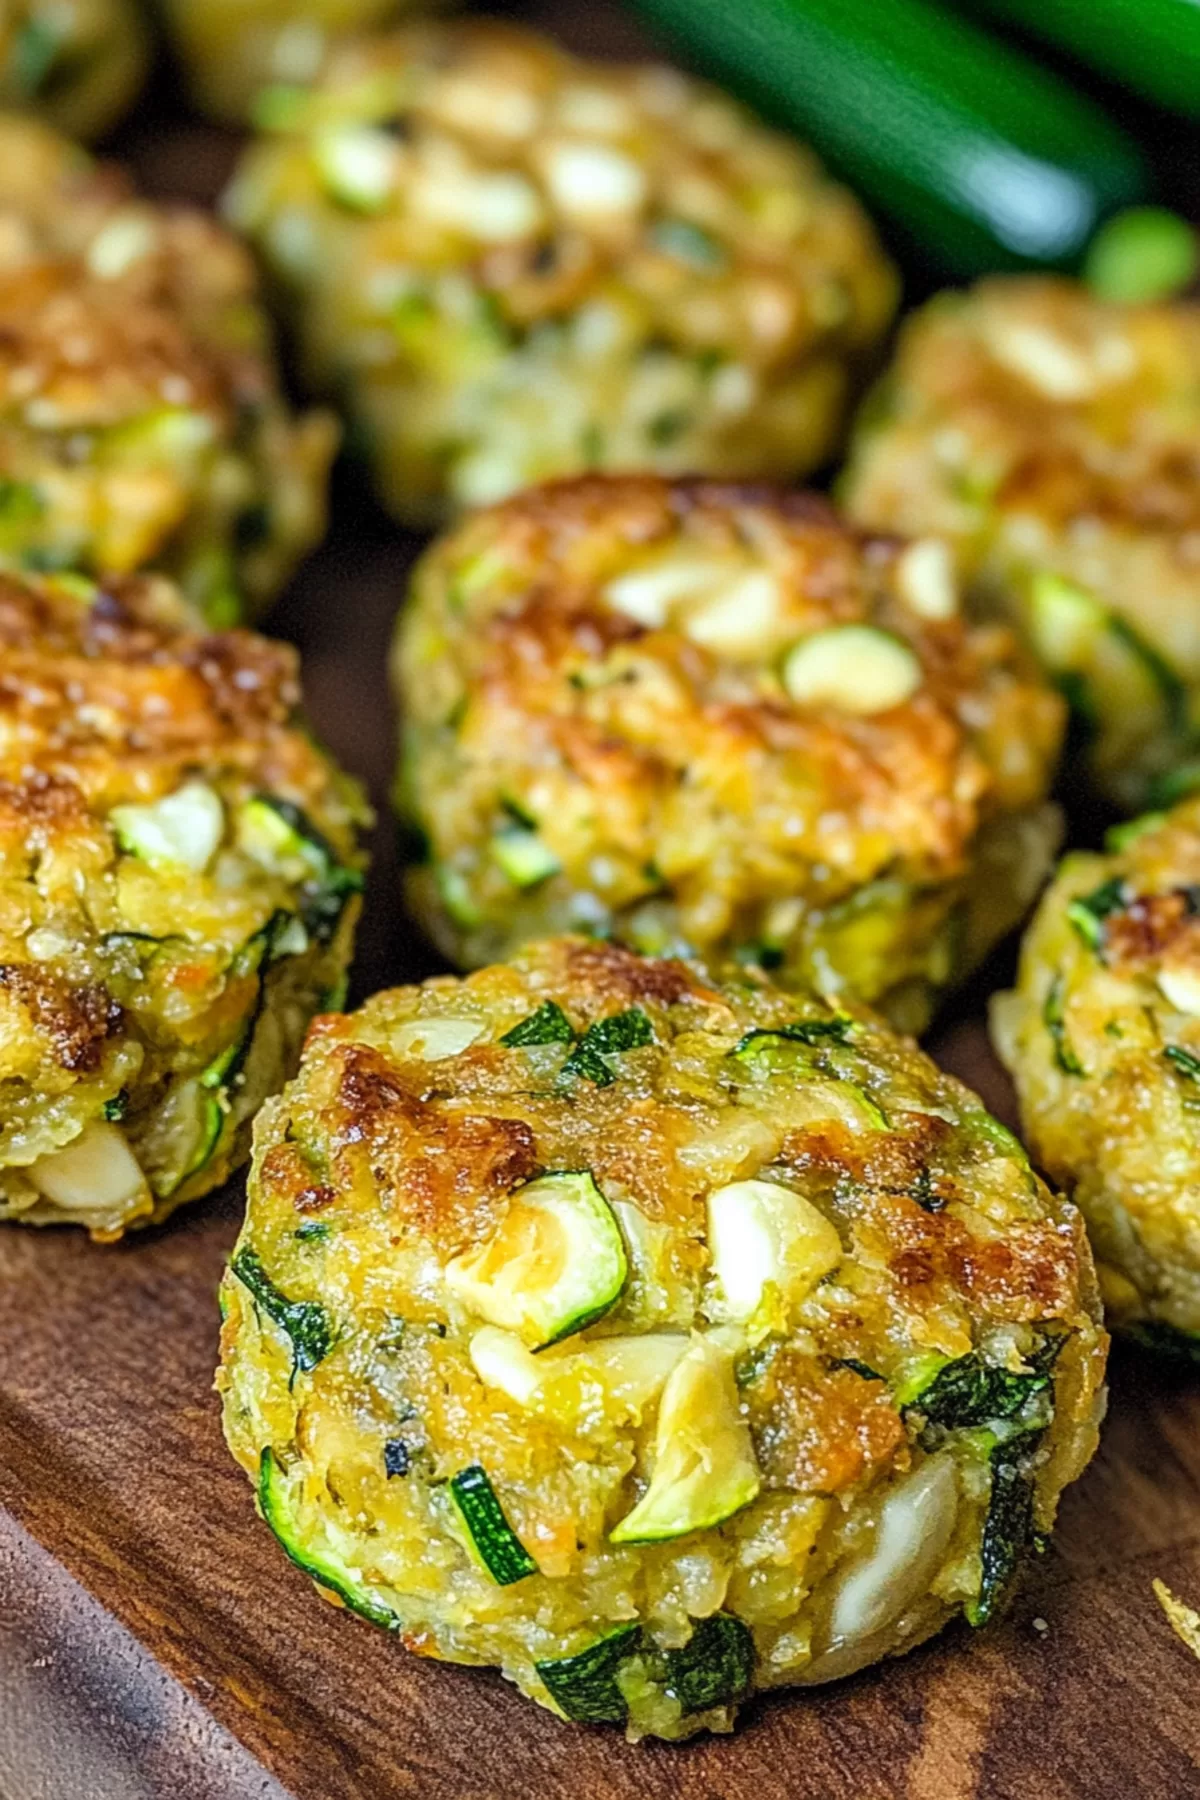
[(122, 978), (1102, 1036), (377, 1166), (516, 264), (232, 49), (141, 422), (1040, 430), (684, 795), (78, 65)]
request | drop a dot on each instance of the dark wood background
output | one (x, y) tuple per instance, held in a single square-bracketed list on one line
[(154, 1642)]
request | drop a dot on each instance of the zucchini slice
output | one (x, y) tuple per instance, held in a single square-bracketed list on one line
[(555, 1264), (714, 1668), (814, 1051), (762, 1234), (584, 1686), (321, 1561), (523, 857), (184, 828), (969, 1391), (282, 836), (1054, 1018), (548, 1025), (357, 166), (495, 1543), (1089, 913), (304, 1322), (622, 1031), (1008, 1526), (704, 1466), (184, 1136), (1127, 680)]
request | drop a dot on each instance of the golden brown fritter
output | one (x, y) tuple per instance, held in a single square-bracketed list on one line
[(656, 1340), (710, 716), (141, 421), (178, 890), (77, 63), (232, 49), (514, 264), (1102, 1037), (1053, 439)]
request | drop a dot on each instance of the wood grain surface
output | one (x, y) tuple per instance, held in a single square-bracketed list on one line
[(193, 1626)]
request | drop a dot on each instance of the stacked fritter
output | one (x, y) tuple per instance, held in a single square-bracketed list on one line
[(231, 49), (78, 63), (141, 420), (178, 888), (714, 719), (1102, 1037), (1054, 440), (656, 1340), (514, 264), (612, 1315)]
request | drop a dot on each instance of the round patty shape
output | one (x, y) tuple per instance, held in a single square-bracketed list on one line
[(178, 889), (1102, 1037), (78, 63), (515, 265), (232, 49), (1053, 440), (716, 718), (141, 420), (653, 1340)]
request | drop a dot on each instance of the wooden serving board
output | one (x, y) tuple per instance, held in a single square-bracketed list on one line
[(155, 1642)]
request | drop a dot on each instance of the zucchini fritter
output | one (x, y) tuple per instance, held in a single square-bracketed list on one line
[(1102, 1037), (655, 1341), (178, 889), (1054, 439), (714, 718), (513, 264), (78, 63), (141, 420), (232, 49)]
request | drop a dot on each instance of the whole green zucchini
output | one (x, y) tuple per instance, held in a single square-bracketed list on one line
[(985, 160), (1152, 45)]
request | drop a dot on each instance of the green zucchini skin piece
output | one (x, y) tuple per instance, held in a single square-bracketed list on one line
[(272, 1501), (1150, 45), (814, 1032), (497, 1545), (970, 1392), (1090, 912), (584, 1686), (305, 1322), (1008, 1526), (984, 160), (714, 1668), (1053, 1018), (324, 897), (628, 1030), (548, 1025)]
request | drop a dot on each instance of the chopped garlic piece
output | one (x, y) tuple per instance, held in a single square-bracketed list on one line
[(593, 180), (925, 577), (96, 1172), (857, 668), (433, 1039), (1181, 987)]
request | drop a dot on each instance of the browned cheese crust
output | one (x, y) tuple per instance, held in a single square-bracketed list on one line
[(611, 665)]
